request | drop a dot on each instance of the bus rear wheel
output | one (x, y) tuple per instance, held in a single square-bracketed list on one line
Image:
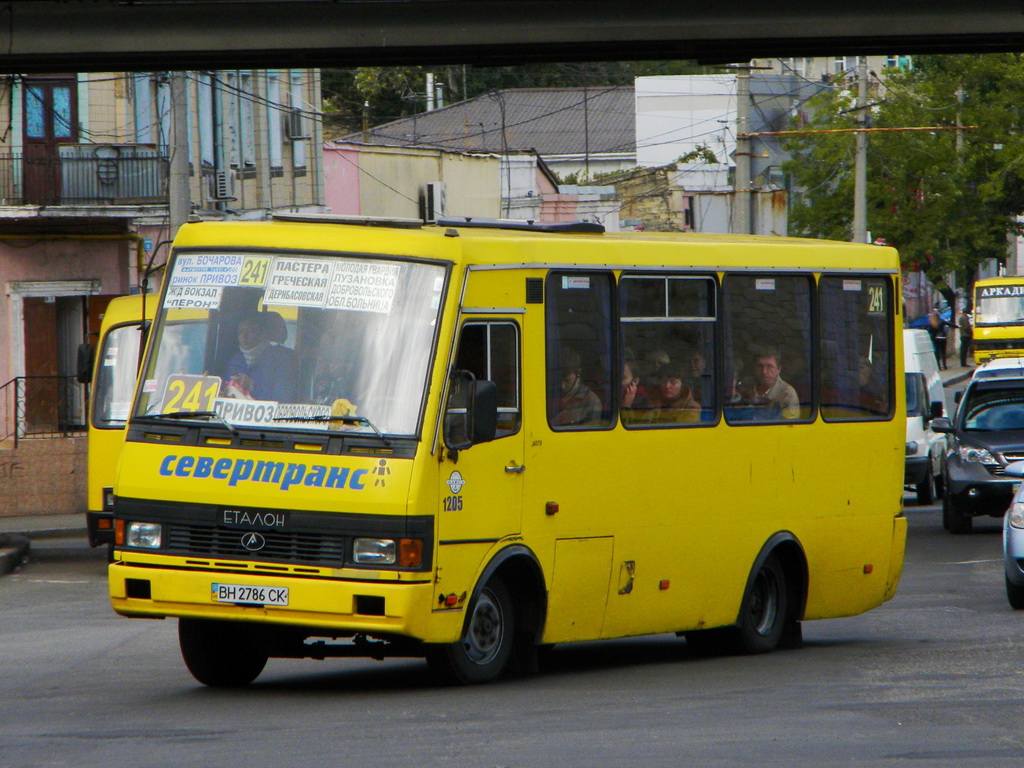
[(765, 609), (220, 654), (483, 652)]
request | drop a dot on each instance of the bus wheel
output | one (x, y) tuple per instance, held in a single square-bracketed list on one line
[(765, 609), (483, 651), (220, 654)]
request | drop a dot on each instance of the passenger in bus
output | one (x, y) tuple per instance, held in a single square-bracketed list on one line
[(694, 366), (634, 403), (578, 404), (261, 369), (676, 401), (655, 361), (768, 393), (632, 394), (871, 399)]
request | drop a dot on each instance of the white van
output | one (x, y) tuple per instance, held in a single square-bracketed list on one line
[(926, 400)]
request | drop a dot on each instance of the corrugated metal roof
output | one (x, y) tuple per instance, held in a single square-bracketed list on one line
[(552, 121)]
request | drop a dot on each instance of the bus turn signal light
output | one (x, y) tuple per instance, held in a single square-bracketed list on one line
[(410, 553)]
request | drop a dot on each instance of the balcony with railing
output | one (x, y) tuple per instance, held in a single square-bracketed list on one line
[(85, 174)]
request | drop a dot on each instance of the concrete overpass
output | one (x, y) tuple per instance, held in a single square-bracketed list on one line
[(99, 35)]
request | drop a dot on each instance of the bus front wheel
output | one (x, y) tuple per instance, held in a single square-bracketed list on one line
[(483, 652), (765, 609), (220, 654)]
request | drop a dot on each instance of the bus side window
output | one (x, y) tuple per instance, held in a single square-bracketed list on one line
[(768, 347), (580, 351), (490, 351), (668, 340), (856, 347)]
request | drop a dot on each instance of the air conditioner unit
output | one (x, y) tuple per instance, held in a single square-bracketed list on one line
[(436, 201), (295, 126), (223, 185)]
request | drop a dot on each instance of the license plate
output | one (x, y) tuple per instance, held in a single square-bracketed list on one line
[(249, 595)]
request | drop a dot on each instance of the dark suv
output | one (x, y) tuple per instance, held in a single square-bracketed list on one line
[(988, 434)]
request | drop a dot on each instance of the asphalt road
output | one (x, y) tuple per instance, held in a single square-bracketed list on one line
[(930, 679)]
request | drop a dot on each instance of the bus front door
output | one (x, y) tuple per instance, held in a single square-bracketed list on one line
[(481, 491)]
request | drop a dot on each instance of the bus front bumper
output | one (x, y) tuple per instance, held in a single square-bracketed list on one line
[(374, 608)]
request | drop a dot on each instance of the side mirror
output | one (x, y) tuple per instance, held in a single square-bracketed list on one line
[(942, 425), (485, 412), (937, 409), (959, 396), (86, 357), (471, 413)]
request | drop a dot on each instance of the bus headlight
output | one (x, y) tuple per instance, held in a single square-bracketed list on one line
[(144, 535), (406, 553), (975, 455), (911, 447), (374, 551), (1016, 514)]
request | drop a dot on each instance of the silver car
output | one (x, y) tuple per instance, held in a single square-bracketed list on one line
[(1013, 541)]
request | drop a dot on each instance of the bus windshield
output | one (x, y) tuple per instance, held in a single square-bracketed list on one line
[(999, 305), (115, 379), (295, 342)]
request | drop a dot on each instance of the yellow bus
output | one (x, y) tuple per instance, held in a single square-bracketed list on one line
[(998, 318), (446, 460), (115, 367)]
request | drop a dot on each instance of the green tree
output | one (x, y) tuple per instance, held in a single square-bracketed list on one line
[(948, 199)]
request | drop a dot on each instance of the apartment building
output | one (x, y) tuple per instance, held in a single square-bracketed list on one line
[(84, 204)]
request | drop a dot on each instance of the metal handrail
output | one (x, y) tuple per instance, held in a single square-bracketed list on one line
[(85, 174), (33, 407)]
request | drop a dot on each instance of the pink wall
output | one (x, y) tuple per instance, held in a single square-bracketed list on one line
[(558, 207), (42, 259), (341, 180), (555, 207)]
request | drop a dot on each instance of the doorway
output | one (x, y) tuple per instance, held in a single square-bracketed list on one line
[(50, 119), (54, 322)]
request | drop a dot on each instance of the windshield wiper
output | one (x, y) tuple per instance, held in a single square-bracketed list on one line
[(360, 420), (181, 415)]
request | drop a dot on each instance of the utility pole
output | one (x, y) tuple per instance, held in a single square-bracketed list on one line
[(741, 193), (860, 171), (959, 122), (179, 194)]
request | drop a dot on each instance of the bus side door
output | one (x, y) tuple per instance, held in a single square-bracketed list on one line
[(482, 486)]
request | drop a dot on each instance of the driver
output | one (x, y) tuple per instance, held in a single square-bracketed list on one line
[(261, 369)]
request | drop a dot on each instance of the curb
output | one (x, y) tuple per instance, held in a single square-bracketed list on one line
[(953, 380), (13, 551)]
